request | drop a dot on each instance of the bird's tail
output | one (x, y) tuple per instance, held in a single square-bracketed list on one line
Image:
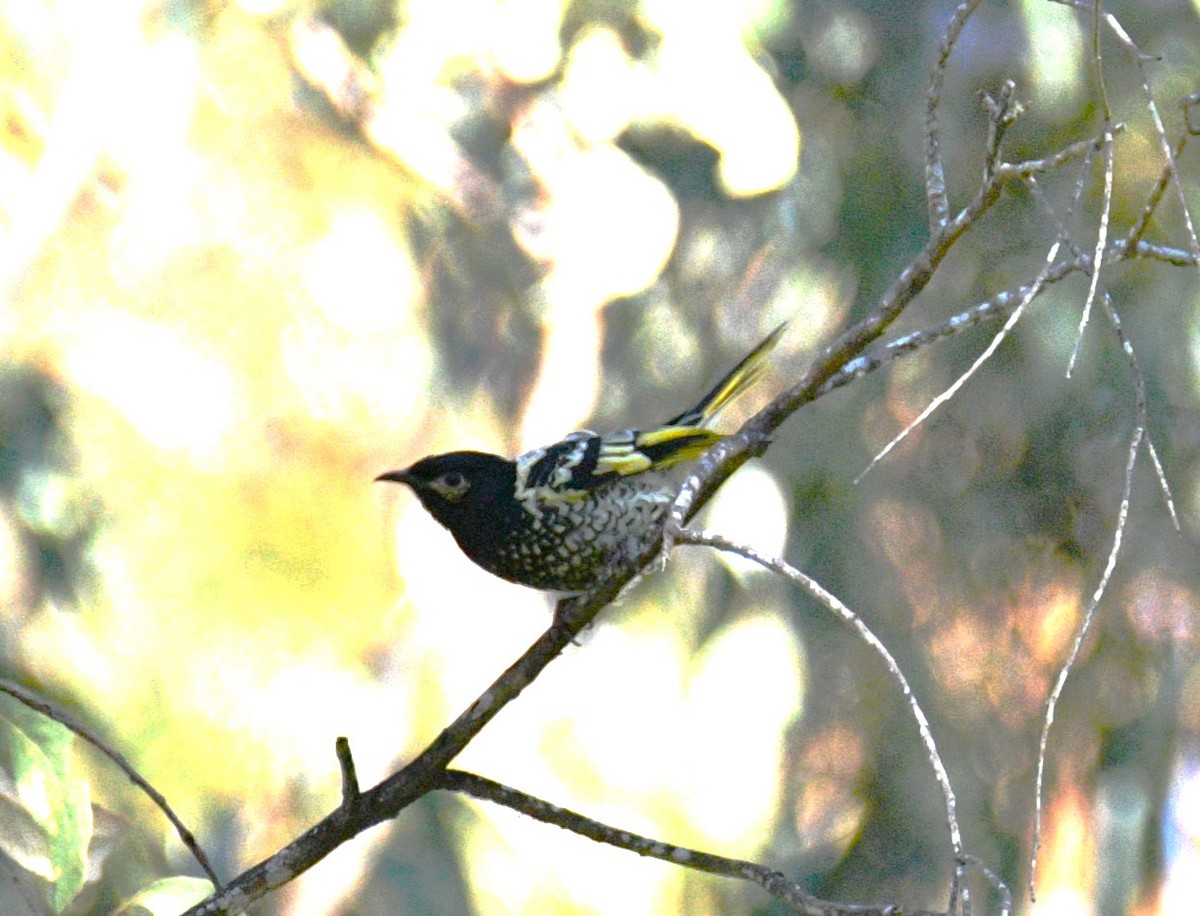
[(740, 378), (688, 435)]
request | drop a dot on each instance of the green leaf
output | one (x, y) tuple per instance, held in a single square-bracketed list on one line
[(69, 845), (22, 838), (45, 812), (25, 803)]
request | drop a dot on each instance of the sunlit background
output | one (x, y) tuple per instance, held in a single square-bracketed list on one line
[(253, 254)]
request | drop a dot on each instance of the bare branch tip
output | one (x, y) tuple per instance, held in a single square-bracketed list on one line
[(1191, 112), (350, 790)]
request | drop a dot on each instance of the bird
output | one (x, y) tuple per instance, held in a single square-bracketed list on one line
[(559, 518)]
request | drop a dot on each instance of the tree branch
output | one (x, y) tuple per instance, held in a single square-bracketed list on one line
[(776, 884)]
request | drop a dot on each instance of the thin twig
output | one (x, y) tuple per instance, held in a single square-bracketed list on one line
[(776, 884), (50, 711), (1165, 180), (1139, 377), (1052, 703), (935, 170), (1069, 153), (982, 358), (1003, 111), (1163, 485), (993, 309), (1140, 58), (833, 603), (1140, 431), (1006, 901), (1101, 244), (1142, 404), (350, 790), (1122, 517)]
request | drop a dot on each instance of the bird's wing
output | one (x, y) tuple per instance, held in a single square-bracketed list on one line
[(582, 461), (633, 452), (564, 470)]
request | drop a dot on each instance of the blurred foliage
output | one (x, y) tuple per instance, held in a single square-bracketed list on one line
[(50, 519), (254, 253), (45, 816)]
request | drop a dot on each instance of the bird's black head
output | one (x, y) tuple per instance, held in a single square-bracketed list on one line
[(468, 492)]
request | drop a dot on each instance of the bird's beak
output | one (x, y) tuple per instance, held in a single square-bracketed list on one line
[(396, 477)]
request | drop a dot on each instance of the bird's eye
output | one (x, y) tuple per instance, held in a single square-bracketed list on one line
[(451, 485)]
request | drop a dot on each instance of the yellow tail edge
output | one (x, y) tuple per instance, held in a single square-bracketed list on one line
[(739, 380)]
